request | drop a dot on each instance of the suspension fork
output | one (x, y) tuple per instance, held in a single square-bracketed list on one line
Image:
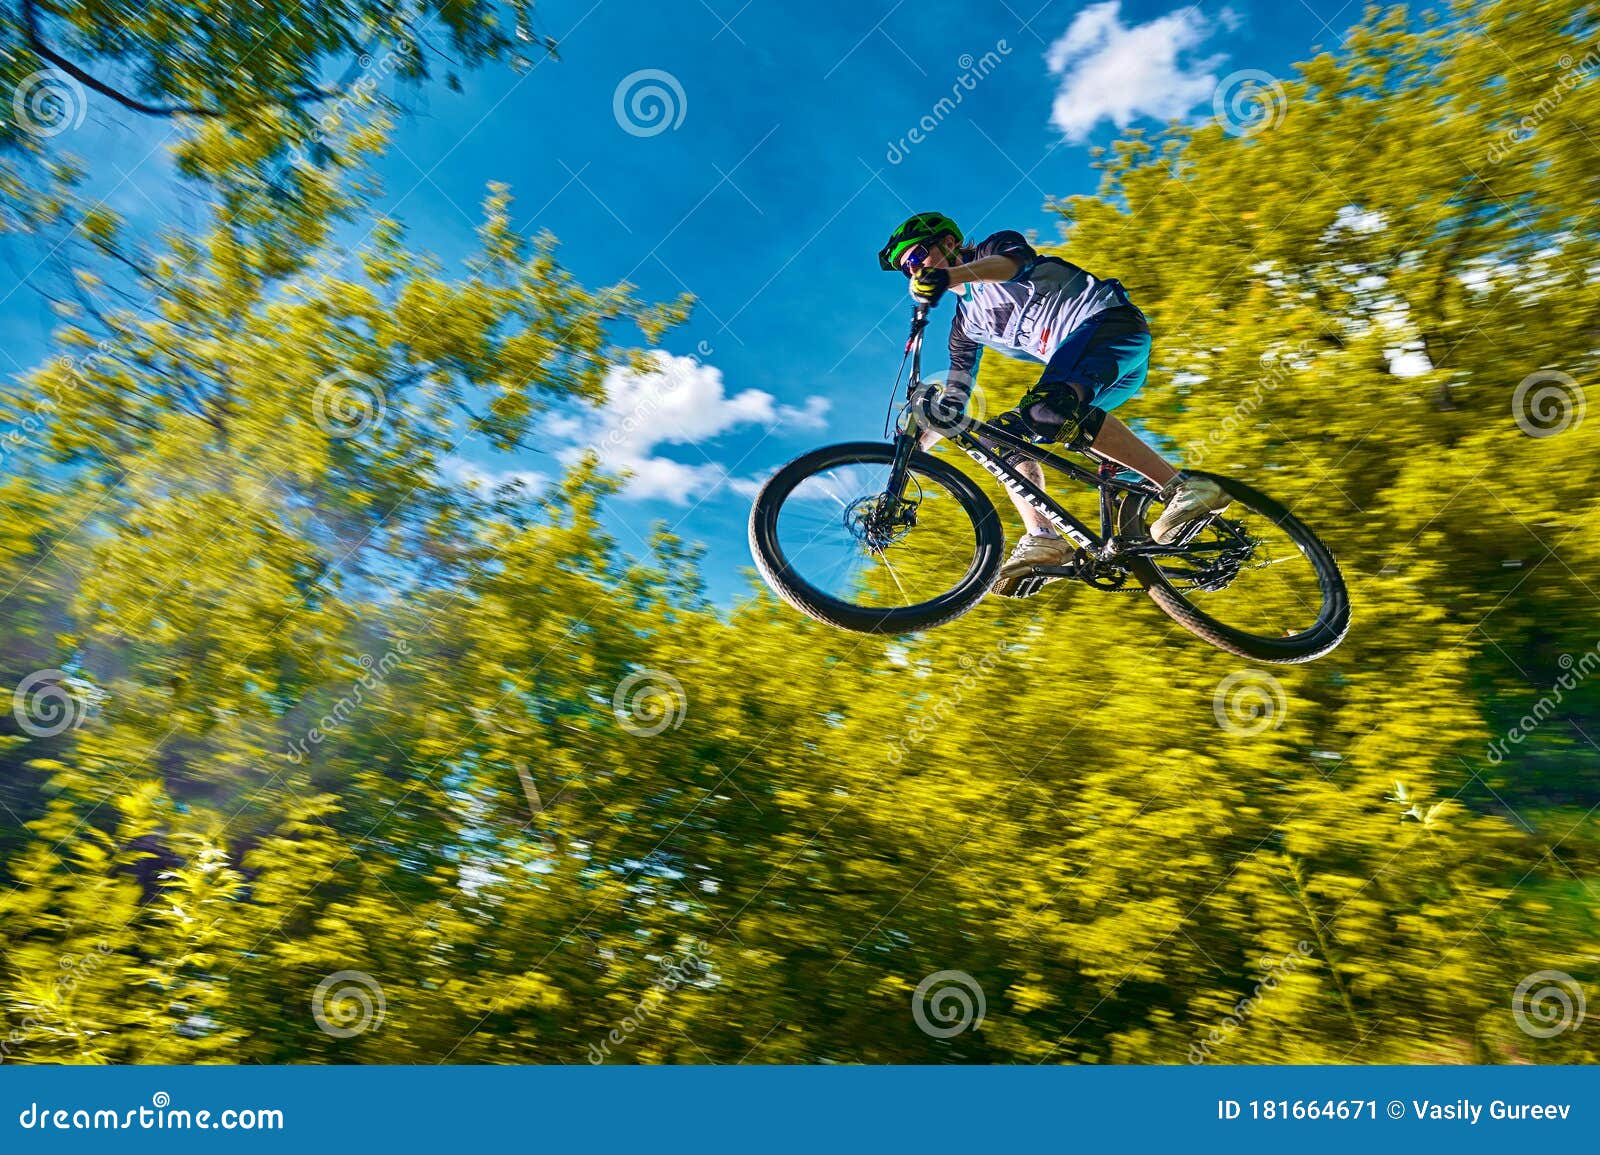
[(905, 442), (905, 445)]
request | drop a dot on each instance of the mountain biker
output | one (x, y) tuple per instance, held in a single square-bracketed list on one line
[(1093, 343)]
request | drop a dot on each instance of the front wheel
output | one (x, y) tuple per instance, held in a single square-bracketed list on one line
[(1252, 579), (831, 542)]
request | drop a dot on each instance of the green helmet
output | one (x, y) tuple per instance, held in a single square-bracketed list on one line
[(917, 230)]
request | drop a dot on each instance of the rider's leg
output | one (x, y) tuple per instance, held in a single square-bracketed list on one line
[(1114, 441), (1094, 370), (1119, 353), (1106, 365), (1062, 407), (1036, 522), (1041, 545), (1122, 445)]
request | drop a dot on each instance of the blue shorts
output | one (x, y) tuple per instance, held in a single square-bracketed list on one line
[(1107, 356), (1101, 364)]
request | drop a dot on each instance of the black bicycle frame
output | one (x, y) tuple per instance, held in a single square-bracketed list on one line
[(995, 448)]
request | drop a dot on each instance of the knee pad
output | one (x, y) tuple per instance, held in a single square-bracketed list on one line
[(1082, 427), (1016, 423), (1042, 419)]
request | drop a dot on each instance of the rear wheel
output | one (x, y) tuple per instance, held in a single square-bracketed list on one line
[(830, 542), (1252, 580)]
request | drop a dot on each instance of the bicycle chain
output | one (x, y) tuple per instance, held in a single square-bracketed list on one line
[(1082, 561)]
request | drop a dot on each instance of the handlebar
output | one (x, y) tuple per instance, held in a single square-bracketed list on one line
[(919, 322)]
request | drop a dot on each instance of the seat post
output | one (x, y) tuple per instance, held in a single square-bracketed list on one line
[(1106, 471)]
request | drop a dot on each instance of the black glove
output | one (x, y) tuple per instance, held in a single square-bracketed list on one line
[(943, 409), (929, 284)]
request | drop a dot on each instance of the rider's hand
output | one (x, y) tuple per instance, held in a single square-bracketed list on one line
[(928, 284), (942, 412)]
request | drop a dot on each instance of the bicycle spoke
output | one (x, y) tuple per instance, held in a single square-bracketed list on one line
[(1247, 572), (885, 562), (832, 534)]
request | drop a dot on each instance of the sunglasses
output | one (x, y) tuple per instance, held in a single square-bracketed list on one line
[(914, 259)]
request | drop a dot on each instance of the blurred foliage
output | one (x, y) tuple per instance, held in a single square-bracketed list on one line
[(261, 96), (338, 713)]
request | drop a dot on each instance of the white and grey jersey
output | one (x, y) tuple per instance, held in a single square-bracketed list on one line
[(1029, 315)]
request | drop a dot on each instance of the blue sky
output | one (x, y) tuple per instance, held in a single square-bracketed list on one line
[(783, 162)]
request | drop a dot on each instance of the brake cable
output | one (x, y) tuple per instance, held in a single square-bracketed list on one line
[(919, 322)]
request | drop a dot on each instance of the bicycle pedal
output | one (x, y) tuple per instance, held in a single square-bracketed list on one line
[(1026, 587), (1054, 571), (1192, 531)]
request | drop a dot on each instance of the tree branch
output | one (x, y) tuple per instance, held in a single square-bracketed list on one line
[(30, 28)]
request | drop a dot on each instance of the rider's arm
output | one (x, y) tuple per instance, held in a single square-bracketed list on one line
[(996, 268), (963, 360), (963, 357), (998, 257)]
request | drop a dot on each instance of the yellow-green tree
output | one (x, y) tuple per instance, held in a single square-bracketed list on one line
[(370, 768)]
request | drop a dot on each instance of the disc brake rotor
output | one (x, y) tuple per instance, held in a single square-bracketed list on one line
[(877, 521)]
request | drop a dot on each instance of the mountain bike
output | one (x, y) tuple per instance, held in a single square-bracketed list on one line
[(883, 538)]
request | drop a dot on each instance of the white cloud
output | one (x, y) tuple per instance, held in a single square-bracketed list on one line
[(680, 401), (1112, 71), (746, 486), (475, 477)]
